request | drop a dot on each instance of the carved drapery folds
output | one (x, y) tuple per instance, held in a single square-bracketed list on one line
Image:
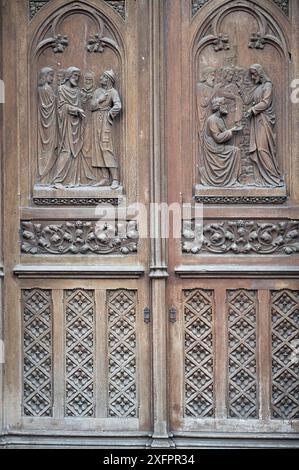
[(80, 138), (240, 106), (79, 237)]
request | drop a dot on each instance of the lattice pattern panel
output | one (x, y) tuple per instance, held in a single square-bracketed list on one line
[(37, 352), (242, 379), (79, 353), (285, 347), (199, 366), (121, 304)]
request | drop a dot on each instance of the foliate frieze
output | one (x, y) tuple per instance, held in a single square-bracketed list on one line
[(79, 237), (241, 237)]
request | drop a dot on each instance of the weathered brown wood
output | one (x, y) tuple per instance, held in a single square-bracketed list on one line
[(115, 339)]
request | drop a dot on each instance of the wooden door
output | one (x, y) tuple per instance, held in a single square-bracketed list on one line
[(233, 288), (116, 334), (77, 147)]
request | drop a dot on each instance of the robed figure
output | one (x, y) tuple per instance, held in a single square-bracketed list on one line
[(105, 106), (262, 136), (47, 125), (221, 161), (72, 168)]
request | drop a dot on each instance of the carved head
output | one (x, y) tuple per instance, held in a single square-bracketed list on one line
[(229, 74), (209, 76), (46, 75), (107, 79), (257, 73), (60, 76), (218, 104), (88, 81), (72, 76)]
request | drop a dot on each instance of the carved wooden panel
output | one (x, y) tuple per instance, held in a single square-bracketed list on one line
[(121, 311), (240, 104), (242, 347), (79, 237), (285, 364), (37, 352), (241, 237), (78, 130), (198, 355), (79, 353)]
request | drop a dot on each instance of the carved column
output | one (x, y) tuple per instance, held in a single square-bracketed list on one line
[(158, 266)]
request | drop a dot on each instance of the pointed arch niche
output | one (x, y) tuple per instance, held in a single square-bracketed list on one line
[(228, 37), (93, 37)]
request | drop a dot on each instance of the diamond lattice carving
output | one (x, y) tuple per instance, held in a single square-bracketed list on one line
[(79, 350), (199, 388), (122, 353), (37, 343), (285, 370), (242, 392)]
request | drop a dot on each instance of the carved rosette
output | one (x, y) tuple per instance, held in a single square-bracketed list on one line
[(79, 237), (241, 237)]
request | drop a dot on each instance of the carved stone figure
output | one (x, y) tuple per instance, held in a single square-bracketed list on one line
[(105, 106), (47, 126), (60, 76), (262, 136), (221, 162), (72, 167)]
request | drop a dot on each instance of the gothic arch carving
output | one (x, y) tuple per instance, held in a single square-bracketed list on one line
[(261, 38), (89, 36)]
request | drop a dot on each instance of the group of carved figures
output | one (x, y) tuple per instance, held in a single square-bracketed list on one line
[(220, 162), (75, 146)]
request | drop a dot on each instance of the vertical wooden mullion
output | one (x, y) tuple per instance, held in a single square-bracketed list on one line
[(58, 353), (101, 356), (264, 353), (220, 353)]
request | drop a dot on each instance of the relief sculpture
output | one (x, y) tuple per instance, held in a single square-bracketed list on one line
[(242, 150), (75, 141), (105, 106), (47, 124)]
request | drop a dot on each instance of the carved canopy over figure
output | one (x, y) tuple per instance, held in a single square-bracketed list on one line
[(221, 162), (105, 106), (262, 137), (72, 167), (47, 126)]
